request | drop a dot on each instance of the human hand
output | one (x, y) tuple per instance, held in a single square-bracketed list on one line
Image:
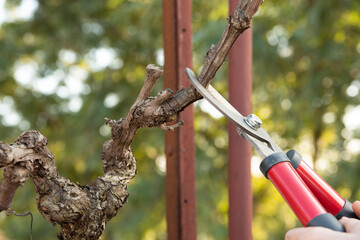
[(352, 227)]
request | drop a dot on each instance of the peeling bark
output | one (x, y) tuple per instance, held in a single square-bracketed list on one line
[(83, 211)]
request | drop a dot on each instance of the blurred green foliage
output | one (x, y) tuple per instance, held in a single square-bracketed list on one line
[(65, 65)]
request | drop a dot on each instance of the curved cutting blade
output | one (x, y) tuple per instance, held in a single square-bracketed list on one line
[(221, 104)]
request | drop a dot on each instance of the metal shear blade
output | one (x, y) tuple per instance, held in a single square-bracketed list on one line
[(257, 137)]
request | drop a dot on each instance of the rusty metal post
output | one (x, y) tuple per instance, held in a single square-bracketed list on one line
[(179, 144), (240, 151)]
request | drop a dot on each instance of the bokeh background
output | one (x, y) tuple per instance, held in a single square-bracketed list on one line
[(65, 65)]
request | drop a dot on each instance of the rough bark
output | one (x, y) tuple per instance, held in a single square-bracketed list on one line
[(83, 211)]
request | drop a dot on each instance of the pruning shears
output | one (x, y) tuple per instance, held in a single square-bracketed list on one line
[(312, 199)]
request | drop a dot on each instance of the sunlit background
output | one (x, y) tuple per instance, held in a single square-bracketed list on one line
[(66, 65)]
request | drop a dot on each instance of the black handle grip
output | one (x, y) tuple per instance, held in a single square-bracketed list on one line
[(328, 221), (347, 211)]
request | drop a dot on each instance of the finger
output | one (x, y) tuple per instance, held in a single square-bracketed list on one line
[(351, 225), (356, 208), (313, 233), (294, 234)]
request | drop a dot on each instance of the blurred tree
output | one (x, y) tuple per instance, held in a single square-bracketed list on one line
[(65, 65)]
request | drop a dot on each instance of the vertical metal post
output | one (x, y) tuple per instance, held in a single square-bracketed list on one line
[(240, 151), (179, 144)]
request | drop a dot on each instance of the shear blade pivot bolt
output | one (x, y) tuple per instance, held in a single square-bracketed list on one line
[(253, 121)]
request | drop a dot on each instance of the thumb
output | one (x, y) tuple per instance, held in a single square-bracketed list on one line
[(356, 208), (351, 225)]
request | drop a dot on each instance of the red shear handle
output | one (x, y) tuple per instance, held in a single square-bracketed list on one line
[(327, 196), (303, 203)]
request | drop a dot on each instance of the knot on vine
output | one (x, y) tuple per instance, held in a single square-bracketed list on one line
[(32, 139), (240, 20)]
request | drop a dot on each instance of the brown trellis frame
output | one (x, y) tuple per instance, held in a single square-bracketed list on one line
[(179, 148), (180, 152)]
